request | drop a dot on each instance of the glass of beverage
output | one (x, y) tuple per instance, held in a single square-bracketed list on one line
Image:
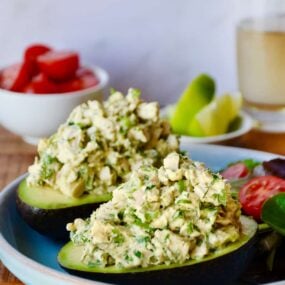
[(261, 63)]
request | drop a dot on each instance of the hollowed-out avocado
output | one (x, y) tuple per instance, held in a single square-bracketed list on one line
[(221, 267), (48, 211)]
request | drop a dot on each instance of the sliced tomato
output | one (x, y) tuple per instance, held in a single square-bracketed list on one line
[(70, 85), (59, 65), (31, 54), (41, 84), (84, 71), (87, 77), (235, 171), (33, 51), (255, 192), (84, 78), (15, 77)]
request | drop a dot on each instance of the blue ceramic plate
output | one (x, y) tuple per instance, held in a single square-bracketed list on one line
[(32, 257)]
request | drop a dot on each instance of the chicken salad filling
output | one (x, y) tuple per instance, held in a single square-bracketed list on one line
[(161, 215), (100, 144)]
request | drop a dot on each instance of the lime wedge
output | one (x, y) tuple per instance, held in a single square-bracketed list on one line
[(214, 119), (197, 95)]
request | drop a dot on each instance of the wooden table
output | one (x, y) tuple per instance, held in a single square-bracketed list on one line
[(16, 156)]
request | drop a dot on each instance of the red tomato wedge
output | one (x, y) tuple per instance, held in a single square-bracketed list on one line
[(31, 54), (85, 78), (59, 65), (70, 86), (235, 171), (15, 77), (46, 71), (41, 85), (255, 192)]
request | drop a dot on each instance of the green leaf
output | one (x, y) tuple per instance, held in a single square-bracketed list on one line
[(112, 91), (273, 212), (136, 92), (47, 169), (251, 163), (181, 186), (137, 253), (248, 162)]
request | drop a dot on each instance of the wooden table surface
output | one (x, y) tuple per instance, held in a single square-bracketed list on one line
[(16, 156)]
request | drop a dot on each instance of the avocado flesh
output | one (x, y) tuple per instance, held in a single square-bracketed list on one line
[(48, 211), (47, 198), (219, 267)]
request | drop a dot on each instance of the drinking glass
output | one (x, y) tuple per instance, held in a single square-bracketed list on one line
[(261, 62)]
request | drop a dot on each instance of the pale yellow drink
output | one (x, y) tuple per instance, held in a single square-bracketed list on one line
[(261, 62)]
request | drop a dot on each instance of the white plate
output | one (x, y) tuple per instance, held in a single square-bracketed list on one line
[(247, 124)]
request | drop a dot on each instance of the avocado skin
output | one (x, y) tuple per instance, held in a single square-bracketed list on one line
[(222, 270), (52, 222)]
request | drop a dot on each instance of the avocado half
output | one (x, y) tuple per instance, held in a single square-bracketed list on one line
[(48, 211), (221, 267)]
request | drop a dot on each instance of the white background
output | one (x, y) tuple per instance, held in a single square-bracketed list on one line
[(155, 45)]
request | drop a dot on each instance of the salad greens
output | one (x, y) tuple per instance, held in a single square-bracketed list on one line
[(248, 162), (275, 167), (273, 212), (258, 185)]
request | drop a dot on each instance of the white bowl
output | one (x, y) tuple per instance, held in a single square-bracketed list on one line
[(34, 116), (247, 123)]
